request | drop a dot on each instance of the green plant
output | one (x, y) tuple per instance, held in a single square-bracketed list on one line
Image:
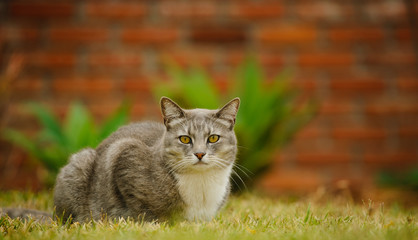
[(56, 141), (404, 179), (270, 113)]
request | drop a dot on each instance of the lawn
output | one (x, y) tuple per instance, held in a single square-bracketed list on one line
[(249, 216)]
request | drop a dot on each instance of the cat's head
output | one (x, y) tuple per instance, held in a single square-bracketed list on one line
[(199, 139)]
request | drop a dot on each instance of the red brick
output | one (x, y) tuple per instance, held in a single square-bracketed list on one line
[(385, 10), (306, 84), (50, 59), (136, 85), (58, 106), (29, 34), (366, 86), (326, 59), (336, 128), (371, 34), (311, 131), (333, 106), (114, 59), (15, 34), (287, 34), (154, 111), (319, 145), (42, 9), (280, 158), (3, 33), (20, 173), (324, 11), (78, 34), (393, 58), (138, 110), (403, 34), (150, 35), (19, 118), (189, 10), (323, 158), (83, 85), (116, 10), (271, 60), (191, 56), (218, 34), (290, 180), (391, 159), (264, 58), (255, 10), (408, 139), (222, 84), (359, 133), (104, 107), (392, 107), (408, 84), (28, 85), (408, 132)]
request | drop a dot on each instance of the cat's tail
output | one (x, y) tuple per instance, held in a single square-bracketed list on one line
[(23, 213)]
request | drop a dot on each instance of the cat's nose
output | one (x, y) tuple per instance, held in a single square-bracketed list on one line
[(200, 155)]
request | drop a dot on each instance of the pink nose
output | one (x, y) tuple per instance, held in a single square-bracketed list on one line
[(200, 155)]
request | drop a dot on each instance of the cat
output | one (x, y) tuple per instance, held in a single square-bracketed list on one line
[(22, 213), (152, 171)]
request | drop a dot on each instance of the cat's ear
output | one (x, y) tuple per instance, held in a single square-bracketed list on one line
[(170, 110), (229, 111)]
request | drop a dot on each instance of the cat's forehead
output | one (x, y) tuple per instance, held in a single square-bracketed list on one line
[(200, 113), (199, 120)]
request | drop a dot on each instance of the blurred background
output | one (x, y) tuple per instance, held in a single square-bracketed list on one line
[(351, 122)]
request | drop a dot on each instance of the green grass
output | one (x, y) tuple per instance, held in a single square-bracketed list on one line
[(248, 216)]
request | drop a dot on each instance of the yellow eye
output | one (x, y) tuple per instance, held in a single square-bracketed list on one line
[(185, 139), (213, 138)]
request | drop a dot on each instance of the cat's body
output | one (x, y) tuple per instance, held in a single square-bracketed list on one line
[(153, 171)]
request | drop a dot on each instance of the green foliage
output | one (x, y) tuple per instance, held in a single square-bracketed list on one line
[(406, 179), (55, 141), (268, 117)]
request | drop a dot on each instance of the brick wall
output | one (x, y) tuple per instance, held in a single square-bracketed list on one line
[(357, 58)]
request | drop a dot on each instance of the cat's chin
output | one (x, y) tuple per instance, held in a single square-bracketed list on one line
[(198, 163), (200, 166)]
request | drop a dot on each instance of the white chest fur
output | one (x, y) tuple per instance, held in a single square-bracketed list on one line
[(203, 192)]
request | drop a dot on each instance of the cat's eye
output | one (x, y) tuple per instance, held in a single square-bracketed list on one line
[(185, 139), (213, 138)]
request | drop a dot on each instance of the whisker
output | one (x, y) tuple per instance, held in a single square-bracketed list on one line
[(242, 166), (236, 184), (239, 146), (245, 174), (244, 170), (239, 177), (223, 162), (176, 167), (218, 164)]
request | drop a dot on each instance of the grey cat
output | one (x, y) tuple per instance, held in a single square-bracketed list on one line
[(151, 171)]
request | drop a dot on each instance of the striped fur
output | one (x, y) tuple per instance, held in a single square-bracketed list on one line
[(142, 171)]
